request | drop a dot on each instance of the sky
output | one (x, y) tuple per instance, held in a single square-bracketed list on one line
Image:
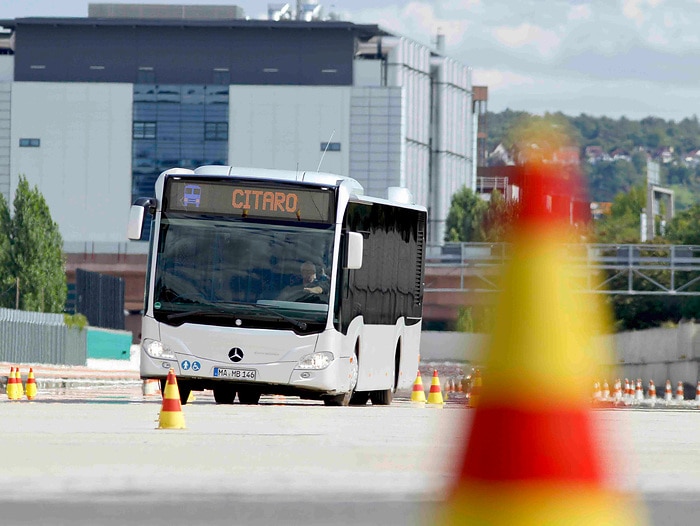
[(614, 58)]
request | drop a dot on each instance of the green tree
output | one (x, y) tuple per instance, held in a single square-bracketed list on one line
[(465, 218), (622, 225), (35, 256), (7, 280), (684, 228)]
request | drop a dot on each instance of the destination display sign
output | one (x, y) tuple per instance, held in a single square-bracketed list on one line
[(249, 199)]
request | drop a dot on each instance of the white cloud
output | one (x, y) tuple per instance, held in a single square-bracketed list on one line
[(529, 36), (422, 21), (579, 12), (495, 78)]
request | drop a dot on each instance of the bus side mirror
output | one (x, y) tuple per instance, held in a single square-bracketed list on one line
[(354, 253), (136, 215)]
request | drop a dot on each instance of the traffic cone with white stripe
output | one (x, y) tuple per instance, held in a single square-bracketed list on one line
[(679, 392), (531, 456), (418, 393), (617, 394), (597, 394), (697, 394), (639, 392), (31, 385), (435, 393), (606, 390), (668, 392), (652, 392), (171, 416)]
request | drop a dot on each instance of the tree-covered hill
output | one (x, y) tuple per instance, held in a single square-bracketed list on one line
[(614, 152)]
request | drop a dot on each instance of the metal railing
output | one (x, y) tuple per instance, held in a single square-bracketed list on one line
[(598, 268)]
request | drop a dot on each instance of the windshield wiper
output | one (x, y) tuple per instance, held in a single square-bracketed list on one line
[(217, 310)]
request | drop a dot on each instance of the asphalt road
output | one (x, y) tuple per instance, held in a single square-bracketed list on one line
[(95, 457)]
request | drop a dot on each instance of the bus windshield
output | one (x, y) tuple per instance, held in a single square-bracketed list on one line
[(250, 274)]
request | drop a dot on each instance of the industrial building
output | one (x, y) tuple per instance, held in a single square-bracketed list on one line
[(92, 109)]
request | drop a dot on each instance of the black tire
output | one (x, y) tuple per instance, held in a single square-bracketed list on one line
[(340, 400), (224, 394), (185, 391), (359, 398), (249, 396), (383, 397)]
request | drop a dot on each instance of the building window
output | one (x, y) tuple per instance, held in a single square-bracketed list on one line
[(29, 143), (216, 131), (330, 146), (144, 130)]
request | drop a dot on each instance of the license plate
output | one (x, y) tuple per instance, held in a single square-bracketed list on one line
[(235, 374)]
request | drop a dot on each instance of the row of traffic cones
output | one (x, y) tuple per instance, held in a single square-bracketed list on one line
[(633, 394), (434, 399), (453, 389), (15, 389)]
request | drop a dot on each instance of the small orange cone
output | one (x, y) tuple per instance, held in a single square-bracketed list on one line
[(606, 390), (697, 393), (652, 391), (617, 393), (418, 393), (10, 389), (435, 394), (20, 387), (31, 385), (171, 416), (668, 393), (679, 392)]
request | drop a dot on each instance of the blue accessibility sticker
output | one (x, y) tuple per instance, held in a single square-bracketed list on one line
[(196, 366), (185, 365)]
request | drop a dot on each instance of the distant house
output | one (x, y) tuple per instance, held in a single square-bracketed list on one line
[(596, 154), (618, 154), (692, 158), (567, 155), (664, 155)]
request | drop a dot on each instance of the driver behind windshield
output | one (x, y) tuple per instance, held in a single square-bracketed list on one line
[(310, 285)]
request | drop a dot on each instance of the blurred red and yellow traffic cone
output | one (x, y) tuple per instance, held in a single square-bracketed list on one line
[(31, 385), (532, 456), (19, 386), (435, 393), (171, 416), (418, 392)]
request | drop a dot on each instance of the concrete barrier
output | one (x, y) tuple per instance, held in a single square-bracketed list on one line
[(653, 354)]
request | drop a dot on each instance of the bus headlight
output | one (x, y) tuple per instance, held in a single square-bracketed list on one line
[(155, 349), (317, 360)]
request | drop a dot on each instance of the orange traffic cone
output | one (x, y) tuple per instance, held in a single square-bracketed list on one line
[(668, 393), (19, 393), (697, 393), (171, 416), (606, 390), (435, 394), (679, 392), (652, 391), (532, 456), (617, 393), (418, 393), (11, 383), (31, 385)]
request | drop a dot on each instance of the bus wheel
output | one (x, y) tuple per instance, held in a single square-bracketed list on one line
[(338, 400), (224, 394), (249, 396), (359, 398), (185, 391), (383, 397)]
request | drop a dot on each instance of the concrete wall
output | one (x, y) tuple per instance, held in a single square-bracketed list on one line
[(83, 164), (653, 354), (284, 126)]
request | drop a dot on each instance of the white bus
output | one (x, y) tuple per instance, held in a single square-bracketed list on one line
[(227, 307)]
